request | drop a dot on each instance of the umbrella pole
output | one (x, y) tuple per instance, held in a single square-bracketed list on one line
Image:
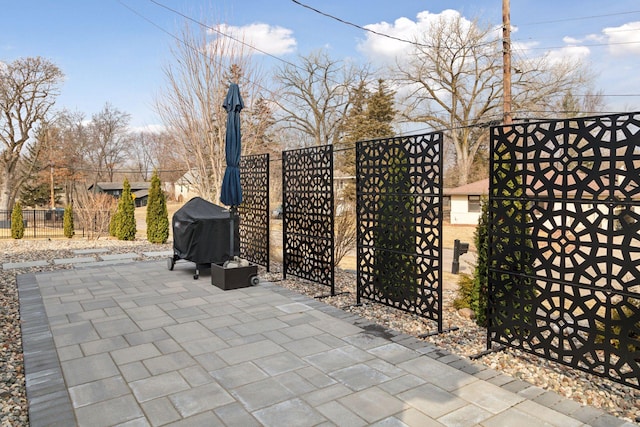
[(232, 224)]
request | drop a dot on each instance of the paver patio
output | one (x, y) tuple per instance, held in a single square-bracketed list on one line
[(137, 345)]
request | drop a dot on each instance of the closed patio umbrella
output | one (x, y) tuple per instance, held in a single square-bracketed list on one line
[(231, 192)]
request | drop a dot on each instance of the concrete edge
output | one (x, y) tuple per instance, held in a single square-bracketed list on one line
[(47, 393)]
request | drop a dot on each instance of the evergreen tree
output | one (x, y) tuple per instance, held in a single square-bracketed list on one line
[(126, 219), (354, 128), (113, 221), (157, 216), (481, 271), (369, 117), (67, 221), (17, 224), (380, 112)]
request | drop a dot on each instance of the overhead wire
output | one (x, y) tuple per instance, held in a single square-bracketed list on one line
[(188, 45), (221, 33), (378, 33), (216, 30), (580, 18)]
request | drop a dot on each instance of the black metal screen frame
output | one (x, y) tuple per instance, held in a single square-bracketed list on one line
[(307, 214), (399, 223), (254, 210), (564, 239)]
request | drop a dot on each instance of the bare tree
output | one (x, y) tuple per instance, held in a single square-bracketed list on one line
[(68, 141), (144, 152), (191, 103), (453, 81), (28, 90), (109, 141), (545, 87), (314, 95), (94, 211)]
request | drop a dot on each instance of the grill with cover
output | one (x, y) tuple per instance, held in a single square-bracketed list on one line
[(204, 233)]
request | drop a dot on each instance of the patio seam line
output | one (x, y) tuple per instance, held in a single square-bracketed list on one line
[(40, 355), (450, 359)]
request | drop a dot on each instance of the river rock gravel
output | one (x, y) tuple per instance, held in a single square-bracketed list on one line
[(467, 340)]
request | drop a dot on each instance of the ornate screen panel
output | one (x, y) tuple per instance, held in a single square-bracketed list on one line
[(307, 192), (399, 246), (254, 210), (564, 234)]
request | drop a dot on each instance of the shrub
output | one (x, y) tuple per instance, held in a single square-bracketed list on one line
[(113, 220), (157, 216), (126, 216), (344, 230), (395, 272), (478, 296), (67, 221), (464, 292), (17, 224), (95, 213)]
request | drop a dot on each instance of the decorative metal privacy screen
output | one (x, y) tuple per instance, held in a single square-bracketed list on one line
[(254, 210), (399, 191), (564, 235), (307, 193)]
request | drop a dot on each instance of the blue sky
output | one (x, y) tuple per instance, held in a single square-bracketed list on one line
[(111, 54)]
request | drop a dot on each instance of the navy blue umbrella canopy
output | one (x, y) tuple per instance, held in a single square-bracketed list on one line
[(231, 192)]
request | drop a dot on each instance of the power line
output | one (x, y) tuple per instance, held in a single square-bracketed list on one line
[(189, 46), (582, 45), (554, 21), (359, 26), (222, 33), (369, 30)]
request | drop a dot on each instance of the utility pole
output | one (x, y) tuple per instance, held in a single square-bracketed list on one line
[(506, 60)]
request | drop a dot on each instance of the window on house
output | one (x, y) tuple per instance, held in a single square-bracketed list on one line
[(473, 203)]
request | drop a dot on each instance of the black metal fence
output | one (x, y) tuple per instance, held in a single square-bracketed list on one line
[(254, 210), (564, 238), (38, 223), (399, 220), (308, 222)]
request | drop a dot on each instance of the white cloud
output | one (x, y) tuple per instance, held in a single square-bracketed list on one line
[(383, 50), (568, 53), (623, 40), (273, 40)]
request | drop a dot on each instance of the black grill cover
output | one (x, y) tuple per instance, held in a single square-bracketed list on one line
[(202, 232)]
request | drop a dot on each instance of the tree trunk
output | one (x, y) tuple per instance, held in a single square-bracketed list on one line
[(5, 189)]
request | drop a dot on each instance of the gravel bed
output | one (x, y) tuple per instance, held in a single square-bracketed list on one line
[(467, 340)]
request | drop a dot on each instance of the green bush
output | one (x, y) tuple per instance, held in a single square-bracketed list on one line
[(464, 292), (157, 216), (113, 222), (479, 290), (395, 272), (17, 224), (126, 216), (67, 221)]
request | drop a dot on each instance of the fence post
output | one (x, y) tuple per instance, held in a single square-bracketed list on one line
[(34, 224)]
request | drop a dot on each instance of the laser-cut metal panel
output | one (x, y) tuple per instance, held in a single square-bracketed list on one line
[(399, 210), (254, 210), (564, 259), (307, 192)]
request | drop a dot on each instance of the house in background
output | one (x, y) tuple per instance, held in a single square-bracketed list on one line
[(140, 190), (461, 205), (183, 188)]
